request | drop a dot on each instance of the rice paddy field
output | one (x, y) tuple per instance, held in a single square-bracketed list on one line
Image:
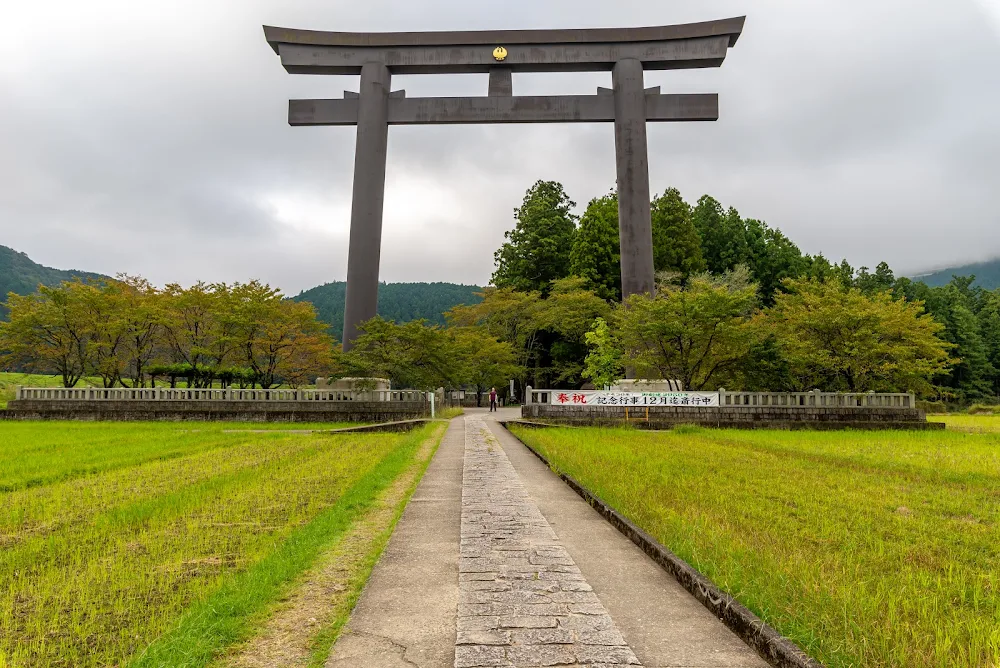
[(975, 424), (156, 544), (865, 548)]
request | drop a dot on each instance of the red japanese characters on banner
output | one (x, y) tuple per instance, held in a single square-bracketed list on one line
[(599, 398)]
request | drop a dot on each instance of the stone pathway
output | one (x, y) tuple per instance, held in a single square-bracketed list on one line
[(523, 601)]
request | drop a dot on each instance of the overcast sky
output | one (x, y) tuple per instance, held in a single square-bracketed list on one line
[(151, 137)]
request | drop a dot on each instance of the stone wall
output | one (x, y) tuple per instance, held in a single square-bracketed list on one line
[(234, 411), (772, 417)]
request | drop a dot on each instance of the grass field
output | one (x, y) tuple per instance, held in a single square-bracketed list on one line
[(976, 424), (866, 548), (153, 544), (10, 381)]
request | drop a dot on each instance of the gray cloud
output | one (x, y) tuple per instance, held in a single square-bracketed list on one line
[(153, 141)]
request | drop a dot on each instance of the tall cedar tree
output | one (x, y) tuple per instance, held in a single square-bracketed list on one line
[(964, 311), (596, 253), (676, 244), (723, 236), (537, 250), (989, 327), (772, 258)]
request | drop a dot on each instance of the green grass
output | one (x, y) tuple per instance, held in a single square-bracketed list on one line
[(161, 544), (10, 381), (866, 548), (969, 423)]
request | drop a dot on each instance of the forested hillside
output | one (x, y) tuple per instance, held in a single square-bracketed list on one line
[(402, 302), (987, 275), (18, 273)]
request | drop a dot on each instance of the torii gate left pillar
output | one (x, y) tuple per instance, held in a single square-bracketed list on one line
[(629, 105)]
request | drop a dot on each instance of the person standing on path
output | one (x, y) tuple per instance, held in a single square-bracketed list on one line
[(493, 399)]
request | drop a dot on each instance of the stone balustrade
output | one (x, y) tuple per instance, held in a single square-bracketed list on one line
[(157, 394)]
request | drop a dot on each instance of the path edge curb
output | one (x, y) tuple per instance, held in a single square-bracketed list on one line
[(773, 647)]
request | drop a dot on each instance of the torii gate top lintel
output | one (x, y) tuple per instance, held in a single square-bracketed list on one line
[(731, 28), (626, 52), (592, 49)]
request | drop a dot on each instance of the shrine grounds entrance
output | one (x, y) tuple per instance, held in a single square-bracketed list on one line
[(626, 52)]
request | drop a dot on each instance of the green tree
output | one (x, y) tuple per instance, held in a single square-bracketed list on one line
[(697, 334), (837, 338), (723, 235), (564, 319), (881, 281), (275, 338), (142, 326), (676, 243), (537, 250), (596, 252), (766, 368), (989, 327), (844, 273), (959, 307), (485, 361), (510, 316), (603, 365), (105, 307), (411, 355), (47, 332), (772, 258), (197, 331)]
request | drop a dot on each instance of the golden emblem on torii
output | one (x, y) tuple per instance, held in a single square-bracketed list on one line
[(500, 54)]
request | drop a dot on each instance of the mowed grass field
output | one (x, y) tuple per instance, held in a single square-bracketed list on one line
[(154, 544), (865, 548)]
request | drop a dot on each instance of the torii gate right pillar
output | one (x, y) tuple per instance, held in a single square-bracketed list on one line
[(634, 216)]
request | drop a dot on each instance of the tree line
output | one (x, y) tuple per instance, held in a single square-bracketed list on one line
[(738, 304), (128, 333)]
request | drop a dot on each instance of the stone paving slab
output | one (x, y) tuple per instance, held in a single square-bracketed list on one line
[(522, 599)]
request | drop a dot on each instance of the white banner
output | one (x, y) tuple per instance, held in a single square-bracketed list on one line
[(600, 398)]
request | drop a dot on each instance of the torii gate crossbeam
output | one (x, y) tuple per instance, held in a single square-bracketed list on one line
[(626, 52)]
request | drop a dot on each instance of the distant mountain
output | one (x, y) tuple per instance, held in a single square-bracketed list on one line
[(401, 302), (18, 273), (987, 274)]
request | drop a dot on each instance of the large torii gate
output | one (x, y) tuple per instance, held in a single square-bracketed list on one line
[(376, 56)]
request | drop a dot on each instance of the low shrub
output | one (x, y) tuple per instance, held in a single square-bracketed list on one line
[(982, 409)]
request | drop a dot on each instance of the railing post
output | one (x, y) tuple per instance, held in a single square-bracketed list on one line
[(527, 395)]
